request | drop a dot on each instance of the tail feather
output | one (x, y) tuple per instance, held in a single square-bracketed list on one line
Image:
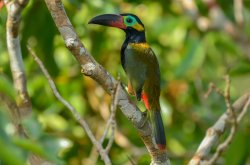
[(158, 129)]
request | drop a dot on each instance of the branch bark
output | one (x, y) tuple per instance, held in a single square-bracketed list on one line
[(14, 9), (23, 102), (94, 70), (213, 133), (77, 116)]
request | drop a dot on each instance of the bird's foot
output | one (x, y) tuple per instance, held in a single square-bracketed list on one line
[(138, 94), (130, 89), (138, 97)]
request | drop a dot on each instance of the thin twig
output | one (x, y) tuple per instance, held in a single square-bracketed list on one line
[(212, 87), (244, 111), (111, 119), (227, 96), (75, 113), (105, 133), (228, 118), (232, 117), (214, 132), (131, 160), (112, 116), (222, 147)]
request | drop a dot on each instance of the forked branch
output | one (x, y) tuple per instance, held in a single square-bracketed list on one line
[(230, 119)]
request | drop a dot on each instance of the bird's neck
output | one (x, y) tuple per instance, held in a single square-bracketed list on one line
[(131, 37), (135, 37)]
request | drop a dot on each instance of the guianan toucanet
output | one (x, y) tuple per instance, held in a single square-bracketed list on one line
[(141, 66)]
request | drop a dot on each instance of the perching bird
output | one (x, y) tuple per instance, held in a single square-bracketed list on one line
[(141, 66)]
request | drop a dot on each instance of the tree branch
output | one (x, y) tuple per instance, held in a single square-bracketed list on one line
[(16, 62), (232, 116), (111, 122), (94, 70), (77, 116), (24, 106)]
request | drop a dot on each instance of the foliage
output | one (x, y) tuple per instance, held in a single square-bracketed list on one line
[(189, 59)]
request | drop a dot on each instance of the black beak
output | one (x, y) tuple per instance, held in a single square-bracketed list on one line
[(112, 20)]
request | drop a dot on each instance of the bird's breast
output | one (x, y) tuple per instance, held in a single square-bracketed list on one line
[(139, 46), (134, 64)]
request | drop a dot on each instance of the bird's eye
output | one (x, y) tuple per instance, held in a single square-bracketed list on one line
[(129, 20)]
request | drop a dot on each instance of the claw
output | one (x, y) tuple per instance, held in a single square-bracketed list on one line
[(130, 89), (138, 96)]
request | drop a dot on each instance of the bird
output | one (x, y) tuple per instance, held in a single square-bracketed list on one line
[(141, 67)]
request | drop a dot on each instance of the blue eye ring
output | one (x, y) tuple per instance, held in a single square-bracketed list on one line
[(129, 21)]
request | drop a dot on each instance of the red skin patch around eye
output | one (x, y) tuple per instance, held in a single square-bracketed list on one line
[(118, 24), (145, 100)]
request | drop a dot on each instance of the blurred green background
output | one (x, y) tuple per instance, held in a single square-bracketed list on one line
[(190, 56)]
